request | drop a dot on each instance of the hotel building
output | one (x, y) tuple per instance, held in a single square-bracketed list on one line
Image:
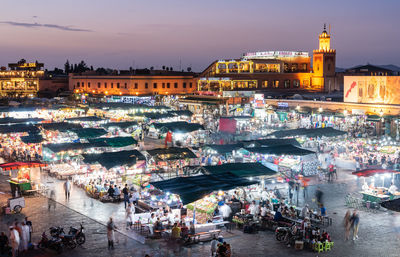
[(274, 71)]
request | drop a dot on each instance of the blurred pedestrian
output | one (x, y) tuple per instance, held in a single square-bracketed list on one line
[(14, 240), (318, 195), (214, 244), (24, 237), (347, 225), (125, 191), (110, 233), (67, 189), (355, 221), (29, 224), (51, 201)]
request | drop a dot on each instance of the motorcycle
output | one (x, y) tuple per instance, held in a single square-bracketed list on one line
[(54, 243), (66, 239), (280, 233), (78, 234)]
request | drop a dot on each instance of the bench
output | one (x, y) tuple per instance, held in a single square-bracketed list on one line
[(203, 236)]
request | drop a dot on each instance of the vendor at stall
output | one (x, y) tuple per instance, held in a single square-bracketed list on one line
[(392, 189)]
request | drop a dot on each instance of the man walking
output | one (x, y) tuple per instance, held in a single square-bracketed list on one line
[(125, 191), (110, 233), (355, 220), (67, 189)]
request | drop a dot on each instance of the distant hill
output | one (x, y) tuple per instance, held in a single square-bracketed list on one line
[(390, 67)]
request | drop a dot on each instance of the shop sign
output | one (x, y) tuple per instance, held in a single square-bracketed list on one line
[(283, 105)]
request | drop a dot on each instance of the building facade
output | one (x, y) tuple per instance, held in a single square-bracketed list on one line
[(154, 83), (21, 79), (274, 71)]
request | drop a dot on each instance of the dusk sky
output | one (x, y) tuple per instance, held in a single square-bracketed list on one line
[(123, 33)]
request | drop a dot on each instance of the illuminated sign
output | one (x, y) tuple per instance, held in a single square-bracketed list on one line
[(274, 54), (283, 105), (215, 79), (27, 65), (259, 101), (372, 89)]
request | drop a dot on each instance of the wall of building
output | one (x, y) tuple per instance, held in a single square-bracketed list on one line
[(54, 84), (132, 85)]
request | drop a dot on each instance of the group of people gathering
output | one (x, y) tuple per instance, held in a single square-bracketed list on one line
[(19, 239)]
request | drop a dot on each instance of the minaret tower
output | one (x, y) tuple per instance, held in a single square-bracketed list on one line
[(324, 64)]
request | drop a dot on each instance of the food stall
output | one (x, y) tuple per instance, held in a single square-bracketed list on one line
[(376, 191)]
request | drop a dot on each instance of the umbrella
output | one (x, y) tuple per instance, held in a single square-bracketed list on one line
[(372, 172), (393, 205)]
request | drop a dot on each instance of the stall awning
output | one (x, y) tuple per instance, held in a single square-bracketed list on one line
[(85, 119), (56, 148), (89, 132), (19, 165), (10, 120), (224, 149), (178, 127), (250, 169), (114, 159), (18, 128), (317, 132), (274, 142), (122, 125), (280, 150), (32, 139), (186, 113), (115, 141), (372, 172), (194, 188), (60, 126), (171, 153)]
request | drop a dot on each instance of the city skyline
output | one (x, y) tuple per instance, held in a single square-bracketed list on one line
[(121, 34)]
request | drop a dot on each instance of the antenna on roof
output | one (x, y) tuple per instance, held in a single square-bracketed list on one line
[(324, 26)]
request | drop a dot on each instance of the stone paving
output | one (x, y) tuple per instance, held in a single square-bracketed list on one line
[(378, 236)]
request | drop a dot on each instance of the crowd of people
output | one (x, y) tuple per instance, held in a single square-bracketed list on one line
[(19, 239)]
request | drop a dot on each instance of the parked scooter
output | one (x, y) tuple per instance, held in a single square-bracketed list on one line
[(66, 239), (54, 243), (78, 234)]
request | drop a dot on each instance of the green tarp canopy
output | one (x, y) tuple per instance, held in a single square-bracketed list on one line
[(171, 153), (115, 141), (56, 148), (60, 126), (154, 115), (272, 142), (317, 132), (224, 149), (86, 118), (114, 159), (122, 125), (186, 113), (18, 128), (250, 169), (10, 120), (193, 188), (178, 127), (32, 139), (89, 132), (280, 150)]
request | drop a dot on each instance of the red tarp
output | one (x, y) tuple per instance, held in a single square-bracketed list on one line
[(372, 172), (18, 165), (227, 125)]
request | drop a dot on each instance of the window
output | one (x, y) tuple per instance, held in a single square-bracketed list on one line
[(136, 85), (184, 84), (286, 67), (83, 84), (275, 84), (117, 85), (329, 68), (154, 85), (304, 66), (287, 83), (78, 85), (265, 84), (168, 85), (294, 67), (296, 83), (105, 84), (146, 85), (163, 85), (126, 85), (112, 85), (306, 82), (88, 84), (175, 85), (190, 84), (98, 85)]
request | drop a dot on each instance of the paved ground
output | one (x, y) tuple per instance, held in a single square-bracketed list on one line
[(378, 236)]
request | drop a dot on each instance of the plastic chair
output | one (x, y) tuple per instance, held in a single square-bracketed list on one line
[(327, 246), (319, 247)]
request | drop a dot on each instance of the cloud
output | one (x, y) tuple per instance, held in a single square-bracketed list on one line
[(38, 25)]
